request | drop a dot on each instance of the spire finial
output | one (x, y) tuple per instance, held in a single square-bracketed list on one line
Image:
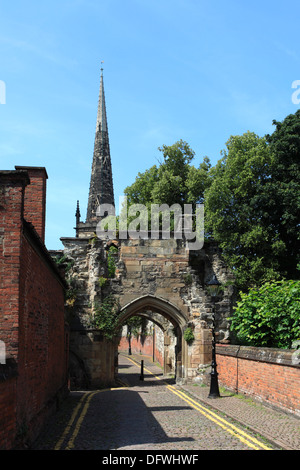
[(77, 215), (77, 210)]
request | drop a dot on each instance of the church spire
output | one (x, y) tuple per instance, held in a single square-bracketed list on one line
[(101, 182), (101, 115)]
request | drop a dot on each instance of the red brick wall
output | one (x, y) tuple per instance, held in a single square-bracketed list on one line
[(32, 322), (42, 361), (11, 212), (35, 198), (7, 412), (271, 375), (143, 347)]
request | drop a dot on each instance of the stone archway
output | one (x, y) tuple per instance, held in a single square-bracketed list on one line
[(157, 309), (152, 277)]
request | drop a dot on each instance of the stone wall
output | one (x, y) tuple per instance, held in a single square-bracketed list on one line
[(159, 279), (92, 356), (167, 270)]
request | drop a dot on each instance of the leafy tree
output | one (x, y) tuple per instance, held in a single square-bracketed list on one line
[(252, 206), (269, 316), (283, 189), (234, 213), (173, 181)]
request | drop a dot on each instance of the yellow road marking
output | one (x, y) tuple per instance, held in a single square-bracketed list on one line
[(85, 398), (244, 437), (85, 402), (241, 435), (68, 427), (79, 422)]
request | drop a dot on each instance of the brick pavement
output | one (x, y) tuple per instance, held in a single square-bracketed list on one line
[(277, 426)]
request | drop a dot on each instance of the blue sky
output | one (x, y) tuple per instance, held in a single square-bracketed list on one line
[(173, 69)]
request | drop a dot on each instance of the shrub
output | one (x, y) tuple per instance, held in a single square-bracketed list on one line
[(105, 317), (269, 316), (188, 335)]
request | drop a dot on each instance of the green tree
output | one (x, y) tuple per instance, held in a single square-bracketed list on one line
[(252, 205), (234, 213), (174, 181), (282, 199)]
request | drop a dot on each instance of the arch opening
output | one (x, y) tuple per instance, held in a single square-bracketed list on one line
[(171, 321)]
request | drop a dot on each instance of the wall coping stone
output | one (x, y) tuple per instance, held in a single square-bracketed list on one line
[(285, 357)]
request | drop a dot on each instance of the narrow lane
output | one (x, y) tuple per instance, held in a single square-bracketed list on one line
[(152, 414)]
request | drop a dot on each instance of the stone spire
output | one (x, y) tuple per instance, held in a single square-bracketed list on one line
[(101, 183), (77, 215)]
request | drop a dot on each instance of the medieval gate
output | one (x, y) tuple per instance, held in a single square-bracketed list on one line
[(158, 279), (161, 279)]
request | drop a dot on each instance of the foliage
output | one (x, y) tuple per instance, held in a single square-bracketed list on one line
[(187, 278), (105, 316), (65, 263), (188, 335), (111, 264), (173, 181), (244, 212), (282, 200), (136, 326), (232, 209), (269, 316), (102, 281), (251, 198)]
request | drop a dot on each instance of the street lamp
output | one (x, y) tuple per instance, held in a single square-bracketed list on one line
[(214, 290)]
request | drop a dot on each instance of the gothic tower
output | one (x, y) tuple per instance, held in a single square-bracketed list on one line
[(101, 183)]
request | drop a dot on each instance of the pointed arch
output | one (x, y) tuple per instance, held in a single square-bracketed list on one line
[(155, 304), (142, 305)]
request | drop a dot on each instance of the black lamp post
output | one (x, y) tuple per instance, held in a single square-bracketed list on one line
[(213, 288)]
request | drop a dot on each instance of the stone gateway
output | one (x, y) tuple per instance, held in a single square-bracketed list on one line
[(159, 279)]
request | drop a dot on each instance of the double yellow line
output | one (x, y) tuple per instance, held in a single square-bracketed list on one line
[(71, 430), (250, 441)]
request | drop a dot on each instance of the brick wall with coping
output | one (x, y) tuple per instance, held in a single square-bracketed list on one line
[(35, 198), (32, 323), (266, 374)]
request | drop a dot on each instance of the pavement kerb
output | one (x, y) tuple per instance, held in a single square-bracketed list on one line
[(216, 403), (211, 403)]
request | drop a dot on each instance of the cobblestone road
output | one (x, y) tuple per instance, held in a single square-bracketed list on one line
[(143, 415)]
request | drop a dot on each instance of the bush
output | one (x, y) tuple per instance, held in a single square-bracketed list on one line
[(269, 316), (105, 317), (189, 335)]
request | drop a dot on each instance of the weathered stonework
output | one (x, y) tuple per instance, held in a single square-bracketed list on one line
[(158, 279)]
